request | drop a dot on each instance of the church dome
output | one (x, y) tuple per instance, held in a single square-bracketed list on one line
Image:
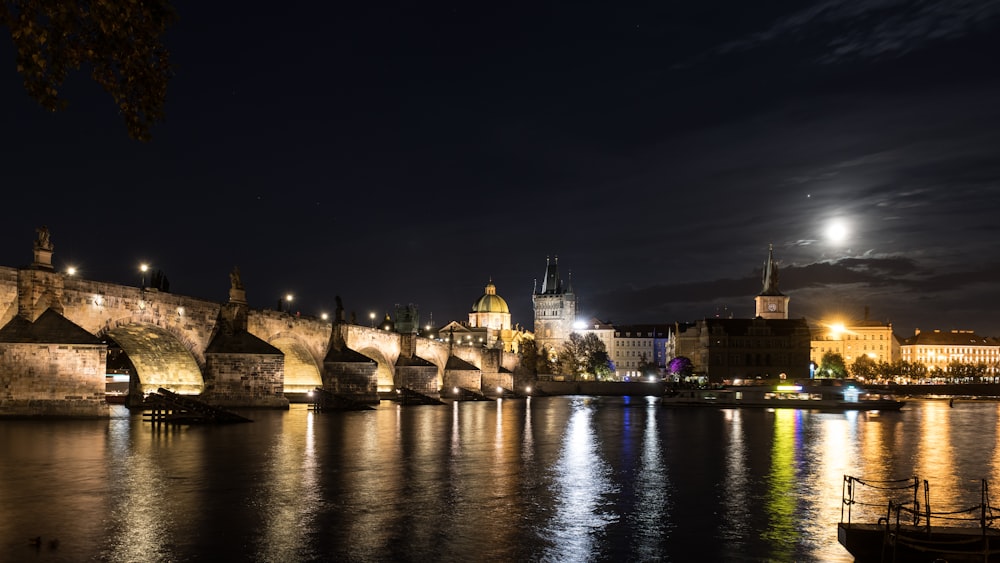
[(490, 302)]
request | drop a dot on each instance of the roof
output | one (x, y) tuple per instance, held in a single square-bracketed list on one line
[(643, 330), (49, 328), (456, 363), (951, 338), (744, 327), (490, 302), (241, 342), (346, 355)]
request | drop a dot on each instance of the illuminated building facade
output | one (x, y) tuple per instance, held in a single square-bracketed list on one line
[(852, 340), (938, 349), (489, 324), (555, 309), (490, 311), (635, 345)]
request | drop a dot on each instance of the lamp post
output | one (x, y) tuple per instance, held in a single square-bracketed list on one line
[(372, 317), (142, 276), (288, 302)]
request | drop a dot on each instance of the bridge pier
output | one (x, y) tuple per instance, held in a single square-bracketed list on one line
[(51, 367)]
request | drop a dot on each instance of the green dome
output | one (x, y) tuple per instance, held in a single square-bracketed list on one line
[(490, 302)]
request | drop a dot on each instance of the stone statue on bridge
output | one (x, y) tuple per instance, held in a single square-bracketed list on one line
[(43, 242), (234, 278)]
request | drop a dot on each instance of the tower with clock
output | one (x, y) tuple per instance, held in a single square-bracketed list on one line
[(771, 303)]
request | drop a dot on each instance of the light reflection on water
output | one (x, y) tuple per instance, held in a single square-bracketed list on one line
[(581, 485), (540, 479)]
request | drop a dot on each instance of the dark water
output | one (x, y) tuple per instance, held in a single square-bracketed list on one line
[(543, 479)]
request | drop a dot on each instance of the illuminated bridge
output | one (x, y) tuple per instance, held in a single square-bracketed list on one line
[(56, 330)]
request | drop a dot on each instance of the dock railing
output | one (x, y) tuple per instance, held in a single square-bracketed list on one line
[(877, 494)]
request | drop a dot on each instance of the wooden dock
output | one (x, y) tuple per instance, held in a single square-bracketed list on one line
[(167, 407), (324, 400)]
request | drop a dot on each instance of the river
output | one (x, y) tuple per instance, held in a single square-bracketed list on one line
[(542, 479)]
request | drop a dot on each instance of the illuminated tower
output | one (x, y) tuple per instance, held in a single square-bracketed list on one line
[(771, 303), (555, 308)]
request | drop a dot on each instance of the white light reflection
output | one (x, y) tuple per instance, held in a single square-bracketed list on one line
[(651, 520), (456, 445), (580, 483), (527, 444), (736, 483), (498, 441)]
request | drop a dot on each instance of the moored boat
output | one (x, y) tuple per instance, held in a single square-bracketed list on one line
[(823, 394), (895, 527)]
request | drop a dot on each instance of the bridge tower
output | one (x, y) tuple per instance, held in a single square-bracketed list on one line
[(555, 308)]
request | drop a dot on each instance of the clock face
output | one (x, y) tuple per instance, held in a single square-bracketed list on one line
[(772, 307)]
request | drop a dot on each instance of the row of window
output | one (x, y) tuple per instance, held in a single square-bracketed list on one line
[(852, 337)]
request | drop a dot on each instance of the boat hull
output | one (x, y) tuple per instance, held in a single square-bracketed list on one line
[(751, 397), (911, 544)]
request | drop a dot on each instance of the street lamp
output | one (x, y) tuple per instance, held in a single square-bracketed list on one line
[(71, 271), (143, 268), (372, 317), (288, 302)]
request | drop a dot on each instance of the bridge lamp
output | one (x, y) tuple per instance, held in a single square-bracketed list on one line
[(455, 390), (288, 301), (143, 268), (71, 271), (372, 317), (527, 389), (324, 316), (499, 390)]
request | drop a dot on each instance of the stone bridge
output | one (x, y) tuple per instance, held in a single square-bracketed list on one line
[(55, 330)]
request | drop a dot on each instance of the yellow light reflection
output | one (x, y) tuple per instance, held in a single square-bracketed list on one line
[(782, 485)]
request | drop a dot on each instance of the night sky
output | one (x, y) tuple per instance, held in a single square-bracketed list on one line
[(409, 153)]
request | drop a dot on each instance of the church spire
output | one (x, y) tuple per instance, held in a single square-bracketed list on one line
[(770, 274), (551, 283)]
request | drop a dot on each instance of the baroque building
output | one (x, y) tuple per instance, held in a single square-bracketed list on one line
[(768, 346), (853, 339), (555, 309), (489, 324), (939, 350)]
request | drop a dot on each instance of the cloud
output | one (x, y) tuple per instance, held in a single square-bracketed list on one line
[(900, 289), (870, 29)]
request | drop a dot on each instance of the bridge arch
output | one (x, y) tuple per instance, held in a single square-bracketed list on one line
[(302, 374), (385, 372), (161, 358)]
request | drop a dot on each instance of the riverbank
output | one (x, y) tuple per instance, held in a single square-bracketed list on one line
[(656, 388)]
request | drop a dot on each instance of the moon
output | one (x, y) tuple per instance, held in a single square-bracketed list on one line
[(836, 231)]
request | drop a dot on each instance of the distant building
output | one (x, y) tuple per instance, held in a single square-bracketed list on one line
[(853, 339), (636, 345), (603, 330), (724, 350), (490, 311), (768, 346), (489, 325), (771, 303), (555, 309), (938, 349)]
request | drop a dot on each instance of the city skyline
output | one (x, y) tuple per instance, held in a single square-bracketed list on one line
[(398, 154)]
